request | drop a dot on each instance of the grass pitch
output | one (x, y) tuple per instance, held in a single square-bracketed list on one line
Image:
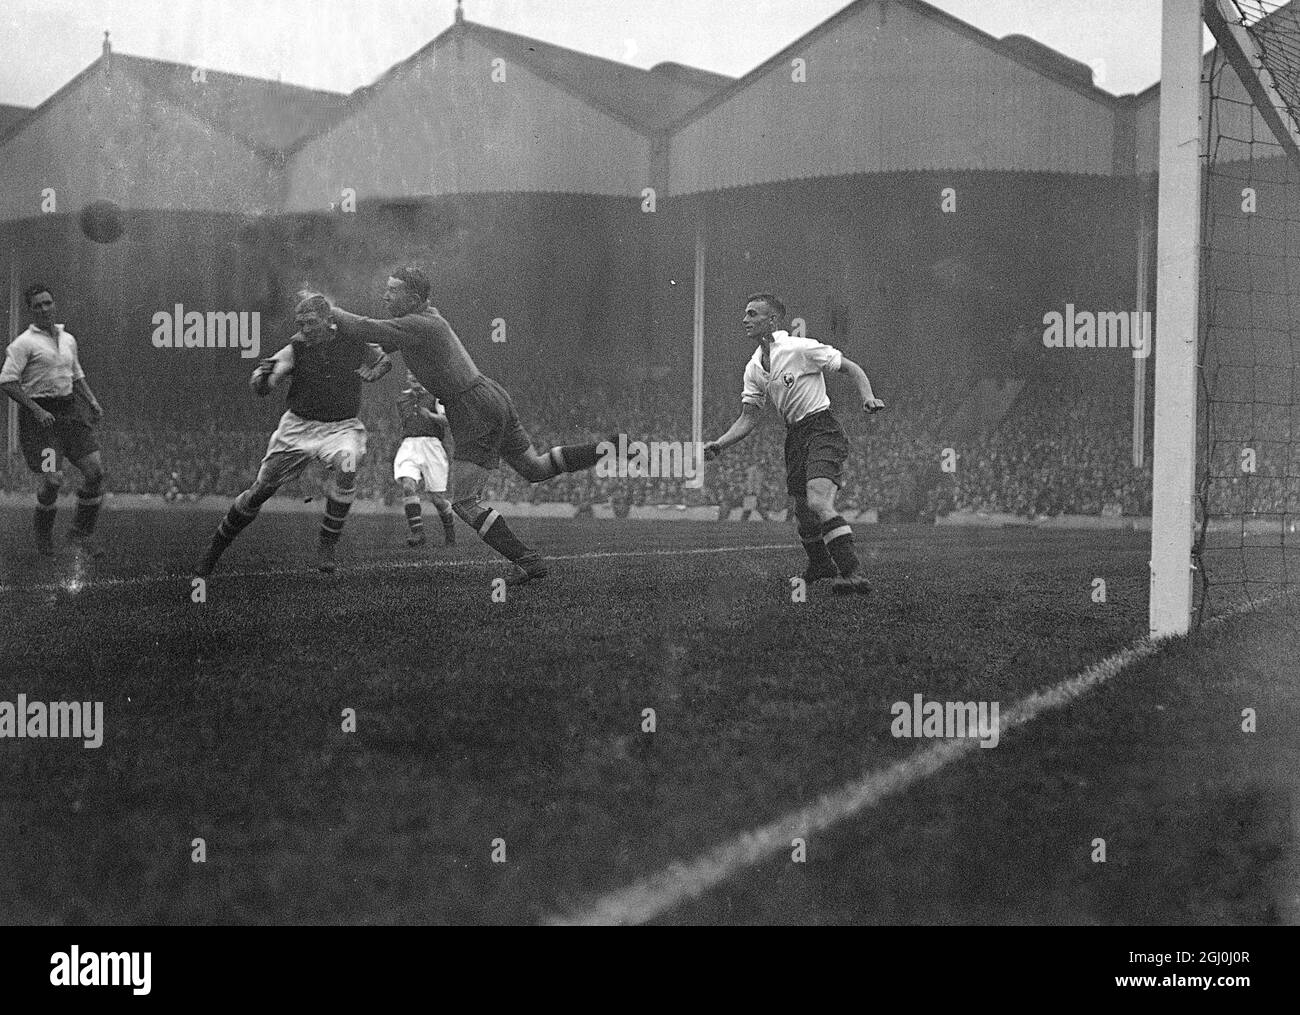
[(522, 721)]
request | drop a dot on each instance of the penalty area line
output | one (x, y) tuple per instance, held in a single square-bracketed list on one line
[(681, 882), (374, 566)]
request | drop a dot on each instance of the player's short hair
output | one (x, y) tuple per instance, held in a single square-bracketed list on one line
[(415, 279), (771, 301), (34, 290), (313, 303)]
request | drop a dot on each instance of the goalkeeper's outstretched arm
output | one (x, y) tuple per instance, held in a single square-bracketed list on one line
[(738, 431)]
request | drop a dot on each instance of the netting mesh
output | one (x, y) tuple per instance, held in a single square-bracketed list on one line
[(1249, 357)]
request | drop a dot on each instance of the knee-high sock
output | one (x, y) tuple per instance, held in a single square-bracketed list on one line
[(47, 503), (838, 538), (571, 458), (811, 536), (239, 517), (337, 504), (411, 505), (89, 499), (494, 531)]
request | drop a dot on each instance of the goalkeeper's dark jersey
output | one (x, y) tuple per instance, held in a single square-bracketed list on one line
[(414, 422), (324, 385)]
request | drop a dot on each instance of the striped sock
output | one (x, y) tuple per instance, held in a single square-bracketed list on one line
[(88, 502), (838, 538), (238, 518), (414, 517), (336, 513), (494, 531)]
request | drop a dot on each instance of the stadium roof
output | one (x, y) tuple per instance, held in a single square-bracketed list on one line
[(1029, 53), (646, 100), (267, 116), (9, 115)]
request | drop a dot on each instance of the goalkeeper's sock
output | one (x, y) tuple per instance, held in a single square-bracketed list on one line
[(572, 458), (414, 517), (838, 538), (494, 531), (818, 555)]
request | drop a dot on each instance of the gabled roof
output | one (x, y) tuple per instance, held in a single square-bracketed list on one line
[(266, 116), (646, 101), (9, 115), (1062, 71)]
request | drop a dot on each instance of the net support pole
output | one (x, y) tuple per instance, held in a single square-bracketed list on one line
[(697, 360), (1143, 298), (11, 407), (1177, 317)]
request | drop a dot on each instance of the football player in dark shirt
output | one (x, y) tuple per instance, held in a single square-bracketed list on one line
[(325, 369), (484, 423), (422, 458)]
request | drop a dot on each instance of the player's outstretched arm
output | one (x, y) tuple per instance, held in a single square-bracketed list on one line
[(870, 403), (391, 336), (271, 371), (745, 424)]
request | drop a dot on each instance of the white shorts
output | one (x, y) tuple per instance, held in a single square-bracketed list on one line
[(297, 442), (422, 458)]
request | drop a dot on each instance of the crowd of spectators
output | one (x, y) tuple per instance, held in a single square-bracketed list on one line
[(1063, 447)]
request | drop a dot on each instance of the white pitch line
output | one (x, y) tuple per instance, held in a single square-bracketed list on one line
[(681, 882), (397, 565)]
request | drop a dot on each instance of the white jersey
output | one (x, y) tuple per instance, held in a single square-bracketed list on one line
[(795, 383)]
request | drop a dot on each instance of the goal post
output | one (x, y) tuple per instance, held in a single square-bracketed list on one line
[(1176, 327)]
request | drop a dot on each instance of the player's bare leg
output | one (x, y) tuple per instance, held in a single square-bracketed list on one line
[(467, 482), (89, 498), (837, 535), (47, 504), (338, 502), (411, 508), (820, 564), (239, 517)]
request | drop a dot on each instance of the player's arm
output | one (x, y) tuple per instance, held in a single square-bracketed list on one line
[(375, 364), (391, 336), (271, 371), (745, 424), (870, 403), (80, 386), (11, 384)]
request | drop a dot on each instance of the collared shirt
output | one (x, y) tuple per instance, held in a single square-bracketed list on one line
[(44, 365), (795, 382)]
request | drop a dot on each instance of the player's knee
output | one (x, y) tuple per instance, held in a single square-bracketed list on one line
[(532, 466), (49, 480)]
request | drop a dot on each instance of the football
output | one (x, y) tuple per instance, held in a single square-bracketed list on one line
[(102, 222)]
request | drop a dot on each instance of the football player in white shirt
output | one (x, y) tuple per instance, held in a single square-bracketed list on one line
[(790, 371)]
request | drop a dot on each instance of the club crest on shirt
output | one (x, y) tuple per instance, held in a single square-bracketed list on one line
[(787, 379)]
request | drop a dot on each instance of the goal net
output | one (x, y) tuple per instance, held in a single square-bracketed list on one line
[(1246, 547)]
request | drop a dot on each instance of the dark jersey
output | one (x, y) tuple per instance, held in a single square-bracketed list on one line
[(428, 345), (414, 422), (324, 385)]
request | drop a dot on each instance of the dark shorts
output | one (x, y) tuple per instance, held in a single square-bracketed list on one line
[(815, 448), (485, 427), (71, 434)]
